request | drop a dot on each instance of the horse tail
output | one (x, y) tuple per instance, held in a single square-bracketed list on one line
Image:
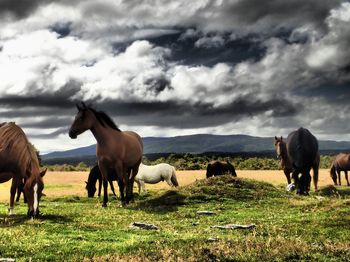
[(173, 177), (332, 171), (208, 171)]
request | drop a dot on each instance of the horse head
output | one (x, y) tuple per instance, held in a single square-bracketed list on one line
[(82, 121), (33, 189), (279, 146), (91, 189)]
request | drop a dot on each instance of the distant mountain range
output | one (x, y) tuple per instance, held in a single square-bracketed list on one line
[(198, 144)]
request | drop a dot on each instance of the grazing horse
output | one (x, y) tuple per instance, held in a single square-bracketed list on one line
[(302, 149), (95, 175), (120, 150), (218, 168), (155, 174), (18, 159), (340, 163)]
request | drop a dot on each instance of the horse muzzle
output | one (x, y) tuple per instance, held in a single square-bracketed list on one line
[(73, 134), (33, 214)]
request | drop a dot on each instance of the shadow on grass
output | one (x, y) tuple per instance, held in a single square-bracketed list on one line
[(167, 202), (332, 191), (15, 220)]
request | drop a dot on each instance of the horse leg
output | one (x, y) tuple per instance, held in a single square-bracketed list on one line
[(346, 177), (99, 186), (121, 191), (138, 186), (104, 173), (122, 182), (287, 174), (315, 177), (129, 185), (131, 177), (19, 190), (169, 182), (13, 190), (307, 183), (142, 184), (339, 177), (295, 176), (112, 188)]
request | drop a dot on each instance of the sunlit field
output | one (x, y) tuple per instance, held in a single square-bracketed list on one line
[(73, 183), (73, 227)]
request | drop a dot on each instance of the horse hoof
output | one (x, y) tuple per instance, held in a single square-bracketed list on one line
[(114, 197), (290, 187), (104, 205)]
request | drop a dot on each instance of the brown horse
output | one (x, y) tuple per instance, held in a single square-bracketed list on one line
[(120, 150), (281, 151), (340, 163), (219, 168), (19, 160)]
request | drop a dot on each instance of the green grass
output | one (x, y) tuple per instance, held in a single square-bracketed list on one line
[(288, 227)]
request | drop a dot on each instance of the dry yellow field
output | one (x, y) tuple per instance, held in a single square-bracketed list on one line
[(73, 183)]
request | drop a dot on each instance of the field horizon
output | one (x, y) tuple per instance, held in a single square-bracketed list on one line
[(62, 183)]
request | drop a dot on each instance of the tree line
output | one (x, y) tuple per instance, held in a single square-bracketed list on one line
[(199, 162)]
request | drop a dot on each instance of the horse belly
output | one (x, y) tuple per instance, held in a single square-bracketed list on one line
[(5, 176)]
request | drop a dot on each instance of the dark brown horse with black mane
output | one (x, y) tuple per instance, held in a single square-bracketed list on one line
[(120, 150), (219, 168), (302, 151), (19, 160), (340, 163), (94, 176)]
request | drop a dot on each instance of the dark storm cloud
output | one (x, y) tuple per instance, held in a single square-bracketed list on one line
[(59, 99), (282, 14), (185, 51), (18, 8), (62, 29), (182, 114)]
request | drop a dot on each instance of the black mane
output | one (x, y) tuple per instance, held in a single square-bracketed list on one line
[(104, 119)]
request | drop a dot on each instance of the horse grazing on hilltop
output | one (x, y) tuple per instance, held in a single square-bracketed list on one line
[(120, 150), (155, 174), (302, 149), (18, 160), (95, 175), (340, 163), (219, 168)]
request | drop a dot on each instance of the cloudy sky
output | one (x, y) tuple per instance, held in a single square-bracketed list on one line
[(166, 68)]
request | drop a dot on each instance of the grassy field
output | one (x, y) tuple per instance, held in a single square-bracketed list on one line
[(288, 227)]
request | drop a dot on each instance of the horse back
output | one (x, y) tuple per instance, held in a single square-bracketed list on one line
[(342, 161), (302, 148)]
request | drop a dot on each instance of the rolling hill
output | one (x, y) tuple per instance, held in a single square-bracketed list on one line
[(201, 144)]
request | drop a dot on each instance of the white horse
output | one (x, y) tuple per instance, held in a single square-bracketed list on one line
[(155, 174)]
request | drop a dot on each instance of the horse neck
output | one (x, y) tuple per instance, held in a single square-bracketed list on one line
[(93, 177), (100, 132), (284, 155)]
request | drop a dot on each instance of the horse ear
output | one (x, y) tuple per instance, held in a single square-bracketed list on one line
[(281, 138), (42, 173), (83, 104), (276, 138), (78, 107)]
